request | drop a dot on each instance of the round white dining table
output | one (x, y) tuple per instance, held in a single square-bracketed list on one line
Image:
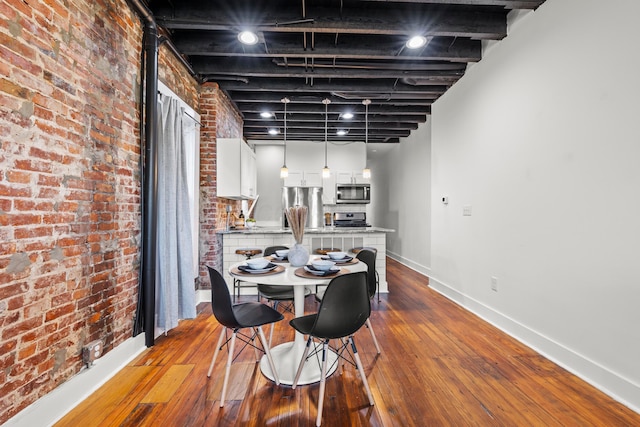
[(286, 356)]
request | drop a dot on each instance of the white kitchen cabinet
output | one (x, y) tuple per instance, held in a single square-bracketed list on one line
[(351, 177), (303, 179), (314, 179), (236, 169), (329, 190), (248, 172)]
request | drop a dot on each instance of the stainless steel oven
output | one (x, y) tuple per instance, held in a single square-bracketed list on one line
[(353, 193)]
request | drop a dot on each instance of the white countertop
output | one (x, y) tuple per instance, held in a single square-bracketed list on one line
[(324, 230)]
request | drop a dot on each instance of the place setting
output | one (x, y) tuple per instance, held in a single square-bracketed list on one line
[(340, 258), (280, 256), (320, 268), (257, 266)]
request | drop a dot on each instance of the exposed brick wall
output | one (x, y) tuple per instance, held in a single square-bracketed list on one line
[(69, 185), (220, 120), (175, 76)]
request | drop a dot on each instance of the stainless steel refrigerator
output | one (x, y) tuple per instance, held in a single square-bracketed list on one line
[(311, 197)]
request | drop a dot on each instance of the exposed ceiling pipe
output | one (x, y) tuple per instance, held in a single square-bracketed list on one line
[(147, 286)]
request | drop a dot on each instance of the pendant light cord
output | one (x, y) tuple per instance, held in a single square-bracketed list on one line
[(284, 171), (285, 101), (326, 103), (366, 172)]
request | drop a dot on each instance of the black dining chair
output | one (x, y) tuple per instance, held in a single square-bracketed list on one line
[(367, 256), (343, 310), (237, 317), (276, 294)]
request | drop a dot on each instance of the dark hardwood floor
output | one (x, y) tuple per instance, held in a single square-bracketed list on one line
[(440, 366)]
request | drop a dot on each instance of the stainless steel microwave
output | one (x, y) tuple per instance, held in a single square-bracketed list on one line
[(353, 193)]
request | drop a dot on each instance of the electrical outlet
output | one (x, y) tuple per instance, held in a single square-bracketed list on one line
[(466, 210), (494, 283), (92, 351)]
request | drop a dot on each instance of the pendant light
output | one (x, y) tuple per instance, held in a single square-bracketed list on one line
[(284, 171), (326, 172), (366, 172)]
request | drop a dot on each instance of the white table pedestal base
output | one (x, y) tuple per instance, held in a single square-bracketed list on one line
[(286, 358)]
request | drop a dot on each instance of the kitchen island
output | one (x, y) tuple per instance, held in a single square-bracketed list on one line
[(344, 238)]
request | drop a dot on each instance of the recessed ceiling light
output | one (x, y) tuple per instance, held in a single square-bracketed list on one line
[(347, 115), (416, 42), (273, 131), (248, 37), (266, 115), (341, 132)]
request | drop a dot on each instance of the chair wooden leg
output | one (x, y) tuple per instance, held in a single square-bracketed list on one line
[(356, 356), (217, 350), (226, 374), (373, 335), (267, 350), (323, 380), (301, 365), (255, 348), (271, 328)]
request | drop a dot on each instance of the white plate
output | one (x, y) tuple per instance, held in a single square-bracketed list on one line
[(247, 269), (339, 261), (320, 272)]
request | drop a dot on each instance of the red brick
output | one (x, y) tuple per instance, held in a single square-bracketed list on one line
[(31, 165), (57, 218), (21, 327), (49, 180), (27, 351), (15, 303), (33, 205), (14, 191), (48, 193), (60, 311), (24, 219), (19, 177), (27, 233), (44, 154), (50, 280), (12, 289), (5, 205)]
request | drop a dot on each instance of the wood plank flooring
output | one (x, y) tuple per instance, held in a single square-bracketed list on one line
[(440, 366)]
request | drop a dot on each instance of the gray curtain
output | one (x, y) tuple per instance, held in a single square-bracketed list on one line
[(175, 286)]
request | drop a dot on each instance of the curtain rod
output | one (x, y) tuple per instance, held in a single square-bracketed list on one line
[(184, 112), (192, 118)]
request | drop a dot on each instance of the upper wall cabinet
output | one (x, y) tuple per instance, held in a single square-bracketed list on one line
[(236, 169), (351, 177), (303, 179)]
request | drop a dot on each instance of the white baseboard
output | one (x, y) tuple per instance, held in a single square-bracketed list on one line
[(410, 263), (53, 406), (610, 383), (203, 295)]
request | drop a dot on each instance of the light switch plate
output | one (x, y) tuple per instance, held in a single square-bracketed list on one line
[(466, 210)]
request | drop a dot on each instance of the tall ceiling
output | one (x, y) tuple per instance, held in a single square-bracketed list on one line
[(342, 50)]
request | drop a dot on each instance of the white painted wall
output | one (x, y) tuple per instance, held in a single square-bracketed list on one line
[(401, 177), (542, 140)]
